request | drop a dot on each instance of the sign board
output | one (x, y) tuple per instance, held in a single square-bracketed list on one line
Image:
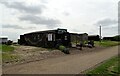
[(49, 37)]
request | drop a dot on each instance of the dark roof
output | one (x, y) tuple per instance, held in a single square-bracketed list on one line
[(46, 31), (78, 34), (92, 35), (3, 38), (74, 33), (41, 31), (83, 34)]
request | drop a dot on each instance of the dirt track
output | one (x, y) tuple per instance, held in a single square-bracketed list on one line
[(70, 64)]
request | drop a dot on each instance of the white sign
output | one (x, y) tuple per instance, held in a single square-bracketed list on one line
[(49, 37)]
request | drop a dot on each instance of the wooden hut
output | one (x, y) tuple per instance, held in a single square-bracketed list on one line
[(94, 37), (78, 38), (48, 38)]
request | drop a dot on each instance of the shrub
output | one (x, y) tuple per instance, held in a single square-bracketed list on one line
[(61, 47), (64, 49)]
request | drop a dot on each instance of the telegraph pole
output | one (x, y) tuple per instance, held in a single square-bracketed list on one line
[(100, 33)]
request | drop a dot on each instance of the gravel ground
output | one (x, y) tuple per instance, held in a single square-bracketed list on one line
[(68, 64), (30, 54)]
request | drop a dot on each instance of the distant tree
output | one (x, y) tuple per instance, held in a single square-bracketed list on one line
[(9, 42), (116, 38)]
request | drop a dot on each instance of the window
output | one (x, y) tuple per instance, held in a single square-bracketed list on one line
[(61, 31), (49, 37), (65, 37)]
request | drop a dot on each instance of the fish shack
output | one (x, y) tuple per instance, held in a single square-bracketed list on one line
[(48, 38)]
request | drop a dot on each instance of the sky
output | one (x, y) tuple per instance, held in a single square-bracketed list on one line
[(77, 16)]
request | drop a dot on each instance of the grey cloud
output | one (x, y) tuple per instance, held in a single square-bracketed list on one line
[(75, 30), (110, 27), (119, 12), (66, 13), (111, 30), (22, 7), (12, 26), (40, 20), (106, 22), (15, 26), (44, 1), (30, 14)]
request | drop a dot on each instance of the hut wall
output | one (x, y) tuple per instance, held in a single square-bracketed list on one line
[(22, 40), (39, 39), (84, 37), (95, 38), (79, 37)]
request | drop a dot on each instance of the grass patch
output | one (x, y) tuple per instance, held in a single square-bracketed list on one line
[(6, 54), (109, 68), (107, 43), (6, 48), (9, 57)]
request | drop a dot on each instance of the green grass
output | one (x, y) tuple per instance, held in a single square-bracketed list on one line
[(9, 57), (107, 43), (109, 68), (7, 53), (6, 48)]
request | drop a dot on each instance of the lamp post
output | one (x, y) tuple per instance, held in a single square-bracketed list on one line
[(100, 33)]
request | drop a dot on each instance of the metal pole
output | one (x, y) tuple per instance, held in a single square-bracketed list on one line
[(100, 33)]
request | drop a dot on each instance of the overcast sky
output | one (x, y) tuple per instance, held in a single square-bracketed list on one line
[(78, 16)]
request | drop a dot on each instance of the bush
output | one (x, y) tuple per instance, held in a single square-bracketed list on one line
[(116, 38), (61, 47), (64, 49)]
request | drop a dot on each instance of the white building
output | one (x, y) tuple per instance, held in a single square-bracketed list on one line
[(3, 39)]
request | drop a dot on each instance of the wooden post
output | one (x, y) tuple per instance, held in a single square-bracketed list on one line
[(76, 40)]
